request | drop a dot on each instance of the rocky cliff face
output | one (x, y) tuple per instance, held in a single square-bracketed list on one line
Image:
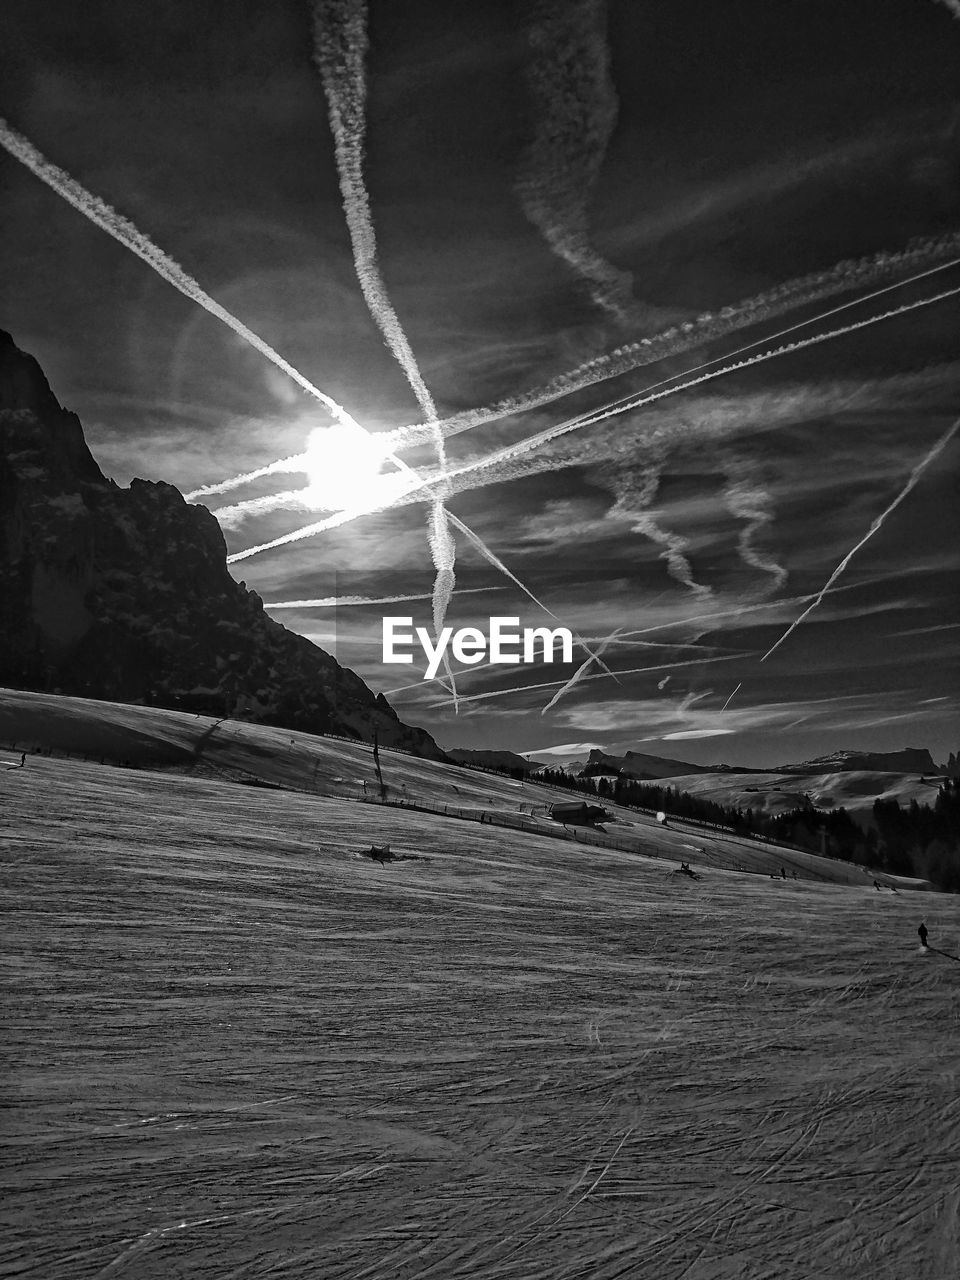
[(910, 760), (494, 759), (124, 594), (636, 764)]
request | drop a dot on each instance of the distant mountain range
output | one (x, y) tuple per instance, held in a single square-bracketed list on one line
[(909, 760), (124, 594), (645, 767), (637, 764), (852, 780)]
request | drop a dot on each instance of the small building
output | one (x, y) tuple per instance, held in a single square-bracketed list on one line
[(578, 814)]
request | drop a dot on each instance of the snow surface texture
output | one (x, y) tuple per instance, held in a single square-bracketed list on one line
[(236, 1047)]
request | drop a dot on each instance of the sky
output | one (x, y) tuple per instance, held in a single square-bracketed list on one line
[(475, 230)]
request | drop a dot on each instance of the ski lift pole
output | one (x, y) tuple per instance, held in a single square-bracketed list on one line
[(376, 762)]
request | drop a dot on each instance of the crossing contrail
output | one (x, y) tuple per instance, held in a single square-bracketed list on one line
[(340, 50), (491, 462), (875, 525), (123, 231), (599, 675), (498, 564), (631, 402), (803, 291), (581, 671), (675, 341)]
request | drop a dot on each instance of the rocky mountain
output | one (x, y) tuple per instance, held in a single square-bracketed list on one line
[(124, 594), (910, 760), (636, 764), (494, 759)]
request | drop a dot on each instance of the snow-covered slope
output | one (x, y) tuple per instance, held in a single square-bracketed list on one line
[(152, 738), (774, 793), (235, 1047)]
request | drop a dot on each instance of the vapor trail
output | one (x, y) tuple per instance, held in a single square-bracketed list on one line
[(876, 524), (305, 531), (295, 462), (601, 675), (656, 348), (122, 230), (335, 602), (672, 645), (230, 517), (708, 328), (575, 110), (581, 671), (498, 564), (627, 403), (610, 410), (730, 699), (340, 50), (443, 548)]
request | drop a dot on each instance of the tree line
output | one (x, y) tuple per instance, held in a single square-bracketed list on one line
[(910, 840)]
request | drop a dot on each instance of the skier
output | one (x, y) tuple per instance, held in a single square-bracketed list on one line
[(923, 934)]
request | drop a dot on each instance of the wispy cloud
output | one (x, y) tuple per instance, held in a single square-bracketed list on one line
[(748, 500), (636, 488), (681, 734), (574, 113)]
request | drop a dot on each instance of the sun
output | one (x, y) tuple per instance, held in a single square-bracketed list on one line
[(342, 464)]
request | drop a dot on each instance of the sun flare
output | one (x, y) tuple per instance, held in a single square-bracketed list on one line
[(342, 464)]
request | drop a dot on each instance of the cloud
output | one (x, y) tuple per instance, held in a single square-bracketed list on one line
[(574, 114), (748, 500), (696, 733)]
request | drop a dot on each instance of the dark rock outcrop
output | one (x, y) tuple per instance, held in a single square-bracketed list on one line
[(910, 760), (638, 765), (124, 594), (501, 760)]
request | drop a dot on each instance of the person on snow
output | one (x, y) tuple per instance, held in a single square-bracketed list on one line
[(923, 934)]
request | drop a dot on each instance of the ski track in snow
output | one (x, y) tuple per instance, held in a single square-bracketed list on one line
[(234, 1048)]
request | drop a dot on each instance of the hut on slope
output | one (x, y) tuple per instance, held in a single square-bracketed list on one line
[(578, 814)]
